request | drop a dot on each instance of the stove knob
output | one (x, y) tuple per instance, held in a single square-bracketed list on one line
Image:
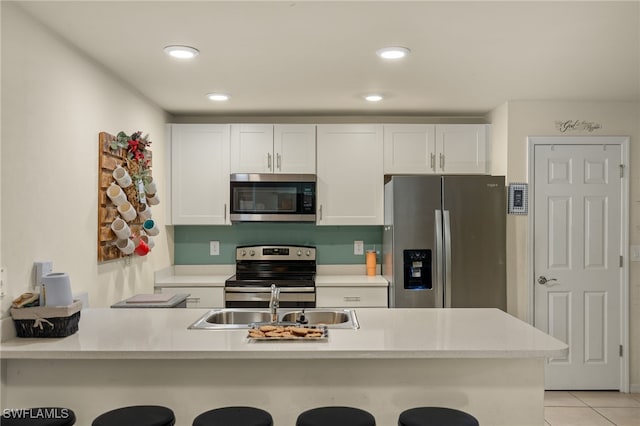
[(252, 252), (308, 252), (299, 253), (243, 253)]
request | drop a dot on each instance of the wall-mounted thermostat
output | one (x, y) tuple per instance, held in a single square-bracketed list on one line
[(518, 198)]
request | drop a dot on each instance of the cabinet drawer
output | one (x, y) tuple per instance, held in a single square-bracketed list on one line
[(200, 297), (364, 297)]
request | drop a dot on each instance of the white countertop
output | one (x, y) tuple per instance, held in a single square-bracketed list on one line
[(383, 334)]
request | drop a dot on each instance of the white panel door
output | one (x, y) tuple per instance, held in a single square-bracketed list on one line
[(294, 148), (200, 174), (577, 251)]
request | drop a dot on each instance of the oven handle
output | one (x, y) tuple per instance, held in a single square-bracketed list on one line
[(268, 289)]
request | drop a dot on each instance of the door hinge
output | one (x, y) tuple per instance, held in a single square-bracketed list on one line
[(621, 350), (621, 261), (621, 170)]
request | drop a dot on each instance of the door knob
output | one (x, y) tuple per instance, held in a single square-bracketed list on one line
[(542, 280)]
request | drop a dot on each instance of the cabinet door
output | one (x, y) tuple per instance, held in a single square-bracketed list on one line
[(350, 179), (294, 148), (351, 297), (252, 148), (199, 174), (462, 148), (409, 148)]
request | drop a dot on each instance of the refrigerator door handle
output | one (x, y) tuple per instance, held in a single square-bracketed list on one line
[(447, 258), (439, 256)]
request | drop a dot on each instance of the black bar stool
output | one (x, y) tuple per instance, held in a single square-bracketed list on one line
[(436, 416), (39, 416), (336, 416), (138, 415), (234, 416)]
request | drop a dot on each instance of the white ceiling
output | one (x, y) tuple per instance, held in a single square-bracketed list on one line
[(306, 57)]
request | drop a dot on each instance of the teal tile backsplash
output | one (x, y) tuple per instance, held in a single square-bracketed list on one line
[(334, 243)]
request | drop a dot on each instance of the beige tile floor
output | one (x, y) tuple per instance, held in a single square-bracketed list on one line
[(562, 408)]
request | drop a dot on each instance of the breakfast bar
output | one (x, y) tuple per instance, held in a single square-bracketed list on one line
[(482, 361)]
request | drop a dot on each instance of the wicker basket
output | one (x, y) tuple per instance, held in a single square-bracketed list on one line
[(47, 321)]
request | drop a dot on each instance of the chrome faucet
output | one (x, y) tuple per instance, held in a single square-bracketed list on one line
[(274, 303)]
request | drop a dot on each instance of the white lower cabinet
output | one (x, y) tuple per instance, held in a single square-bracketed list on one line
[(351, 297), (199, 297)]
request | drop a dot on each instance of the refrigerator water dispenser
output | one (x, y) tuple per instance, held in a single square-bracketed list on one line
[(417, 269)]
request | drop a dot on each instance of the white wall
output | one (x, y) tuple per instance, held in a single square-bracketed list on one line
[(537, 118), (55, 101)]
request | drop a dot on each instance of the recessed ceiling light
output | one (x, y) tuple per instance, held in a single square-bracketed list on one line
[(395, 52), (373, 98), (181, 52), (218, 97)]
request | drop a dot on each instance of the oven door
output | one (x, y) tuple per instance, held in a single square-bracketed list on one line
[(259, 297)]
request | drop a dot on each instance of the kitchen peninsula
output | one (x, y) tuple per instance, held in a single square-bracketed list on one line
[(482, 361)]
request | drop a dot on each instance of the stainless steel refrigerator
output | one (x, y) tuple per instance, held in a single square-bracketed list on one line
[(444, 241)]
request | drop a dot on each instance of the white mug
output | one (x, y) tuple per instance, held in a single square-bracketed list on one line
[(121, 229), (121, 175), (150, 227), (153, 199), (127, 211), (151, 187), (116, 194), (145, 213), (126, 246)]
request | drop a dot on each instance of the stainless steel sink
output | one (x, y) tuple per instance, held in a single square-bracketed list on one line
[(222, 319), (235, 317), (318, 317)]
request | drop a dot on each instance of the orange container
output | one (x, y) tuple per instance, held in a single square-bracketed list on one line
[(371, 262)]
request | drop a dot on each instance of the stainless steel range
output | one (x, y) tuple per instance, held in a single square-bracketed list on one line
[(291, 268)]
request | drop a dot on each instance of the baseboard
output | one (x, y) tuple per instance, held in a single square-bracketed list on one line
[(634, 388)]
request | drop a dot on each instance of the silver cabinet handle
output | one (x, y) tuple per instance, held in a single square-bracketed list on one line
[(225, 212), (269, 161), (320, 212), (441, 161), (433, 161), (279, 161), (351, 298), (542, 280)]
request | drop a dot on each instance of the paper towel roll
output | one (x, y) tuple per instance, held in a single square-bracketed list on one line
[(57, 289)]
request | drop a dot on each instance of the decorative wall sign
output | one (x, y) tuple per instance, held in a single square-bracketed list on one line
[(126, 191), (577, 126)]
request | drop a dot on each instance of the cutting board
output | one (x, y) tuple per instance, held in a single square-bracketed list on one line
[(150, 298)]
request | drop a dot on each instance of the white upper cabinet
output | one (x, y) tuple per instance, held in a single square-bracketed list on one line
[(440, 148), (200, 174), (350, 178), (409, 148), (294, 148), (251, 148), (267, 148), (462, 148)]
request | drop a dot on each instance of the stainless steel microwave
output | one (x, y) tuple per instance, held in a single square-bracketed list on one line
[(273, 197)]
